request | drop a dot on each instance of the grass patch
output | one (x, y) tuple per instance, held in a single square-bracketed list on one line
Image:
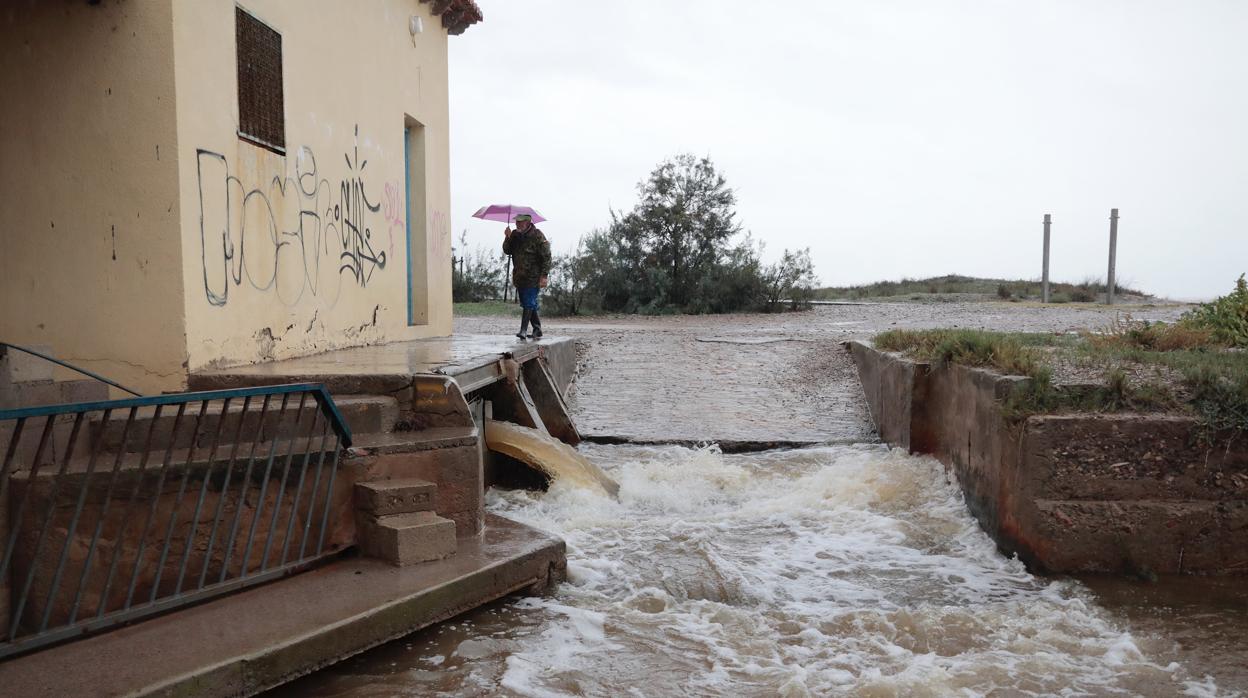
[(1007, 353), (1212, 384), (1086, 291), (1205, 349), (485, 308)]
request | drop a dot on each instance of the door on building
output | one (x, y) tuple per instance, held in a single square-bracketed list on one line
[(417, 223)]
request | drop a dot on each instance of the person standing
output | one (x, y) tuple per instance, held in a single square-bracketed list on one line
[(530, 259)]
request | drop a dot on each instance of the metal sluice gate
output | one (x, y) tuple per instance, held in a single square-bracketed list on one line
[(113, 511)]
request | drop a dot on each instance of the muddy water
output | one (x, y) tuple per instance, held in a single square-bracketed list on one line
[(848, 570), (559, 461)]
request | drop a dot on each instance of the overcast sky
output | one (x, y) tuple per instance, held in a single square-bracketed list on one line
[(892, 138)]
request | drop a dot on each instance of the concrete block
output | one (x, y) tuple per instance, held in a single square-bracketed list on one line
[(462, 502), (394, 496), (560, 356), (33, 394), (20, 367), (368, 414), (82, 391), (407, 539)]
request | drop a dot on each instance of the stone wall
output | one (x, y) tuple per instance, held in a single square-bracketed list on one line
[(1069, 493)]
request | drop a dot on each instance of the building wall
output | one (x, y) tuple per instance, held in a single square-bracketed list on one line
[(307, 251), (90, 255)]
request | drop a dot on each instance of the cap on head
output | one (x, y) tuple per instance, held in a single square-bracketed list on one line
[(523, 217)]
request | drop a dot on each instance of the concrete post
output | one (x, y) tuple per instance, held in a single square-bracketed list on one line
[(1044, 292), (1113, 256)]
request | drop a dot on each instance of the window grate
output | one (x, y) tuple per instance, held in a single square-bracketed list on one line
[(261, 110)]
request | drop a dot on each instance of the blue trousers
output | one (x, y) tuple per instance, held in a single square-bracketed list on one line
[(528, 297)]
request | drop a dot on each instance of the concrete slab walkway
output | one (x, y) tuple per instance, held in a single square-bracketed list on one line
[(382, 368), (248, 642)]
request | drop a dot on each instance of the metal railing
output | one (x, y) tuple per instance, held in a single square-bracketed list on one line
[(112, 511)]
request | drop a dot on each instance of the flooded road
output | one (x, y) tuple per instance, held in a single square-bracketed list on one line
[(837, 570)]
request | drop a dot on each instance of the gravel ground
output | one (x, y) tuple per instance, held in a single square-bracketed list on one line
[(763, 378)]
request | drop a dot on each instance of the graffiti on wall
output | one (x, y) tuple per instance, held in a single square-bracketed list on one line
[(394, 207), (297, 233)]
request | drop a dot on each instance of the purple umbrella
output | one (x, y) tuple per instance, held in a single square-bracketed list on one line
[(506, 213)]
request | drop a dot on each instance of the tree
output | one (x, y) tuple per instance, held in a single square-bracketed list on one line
[(678, 250), (791, 279), (682, 224)]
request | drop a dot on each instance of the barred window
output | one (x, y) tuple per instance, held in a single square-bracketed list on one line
[(261, 110)]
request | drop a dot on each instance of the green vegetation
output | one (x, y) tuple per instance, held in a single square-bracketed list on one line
[(1226, 318), (484, 308), (1197, 365), (1029, 355), (680, 249), (477, 276), (940, 287)]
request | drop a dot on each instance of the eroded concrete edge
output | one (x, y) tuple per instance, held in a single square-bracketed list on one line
[(1155, 503)]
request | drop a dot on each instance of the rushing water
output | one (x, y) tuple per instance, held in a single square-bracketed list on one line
[(849, 570)]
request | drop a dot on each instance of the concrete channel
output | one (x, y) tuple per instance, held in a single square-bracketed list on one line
[(1121, 493)]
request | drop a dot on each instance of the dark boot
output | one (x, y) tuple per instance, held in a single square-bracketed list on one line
[(537, 325), (524, 323)]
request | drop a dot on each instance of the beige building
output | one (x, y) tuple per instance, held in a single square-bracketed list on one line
[(199, 183)]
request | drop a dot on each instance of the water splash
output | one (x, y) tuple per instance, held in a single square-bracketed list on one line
[(846, 570), (850, 570)]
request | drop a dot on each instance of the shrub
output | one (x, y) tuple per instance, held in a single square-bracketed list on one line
[(1124, 333), (1003, 352), (1082, 294), (1226, 317), (479, 276)]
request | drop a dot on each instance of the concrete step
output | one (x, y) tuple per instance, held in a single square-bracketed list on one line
[(448, 457), (386, 497), (407, 539), (419, 440), (364, 414)]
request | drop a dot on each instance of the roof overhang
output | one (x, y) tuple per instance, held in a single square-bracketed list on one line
[(457, 15)]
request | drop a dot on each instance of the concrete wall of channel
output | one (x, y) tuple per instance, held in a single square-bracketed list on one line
[(1072, 492)]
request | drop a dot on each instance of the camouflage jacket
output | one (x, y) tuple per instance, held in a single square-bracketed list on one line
[(530, 257)]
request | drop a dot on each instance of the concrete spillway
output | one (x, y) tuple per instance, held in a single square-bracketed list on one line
[(553, 457)]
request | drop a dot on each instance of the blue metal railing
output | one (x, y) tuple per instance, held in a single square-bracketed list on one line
[(85, 548)]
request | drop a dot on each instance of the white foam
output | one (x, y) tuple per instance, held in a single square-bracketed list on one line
[(842, 570)]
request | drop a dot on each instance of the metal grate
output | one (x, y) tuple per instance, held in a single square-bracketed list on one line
[(261, 110), (117, 510)]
